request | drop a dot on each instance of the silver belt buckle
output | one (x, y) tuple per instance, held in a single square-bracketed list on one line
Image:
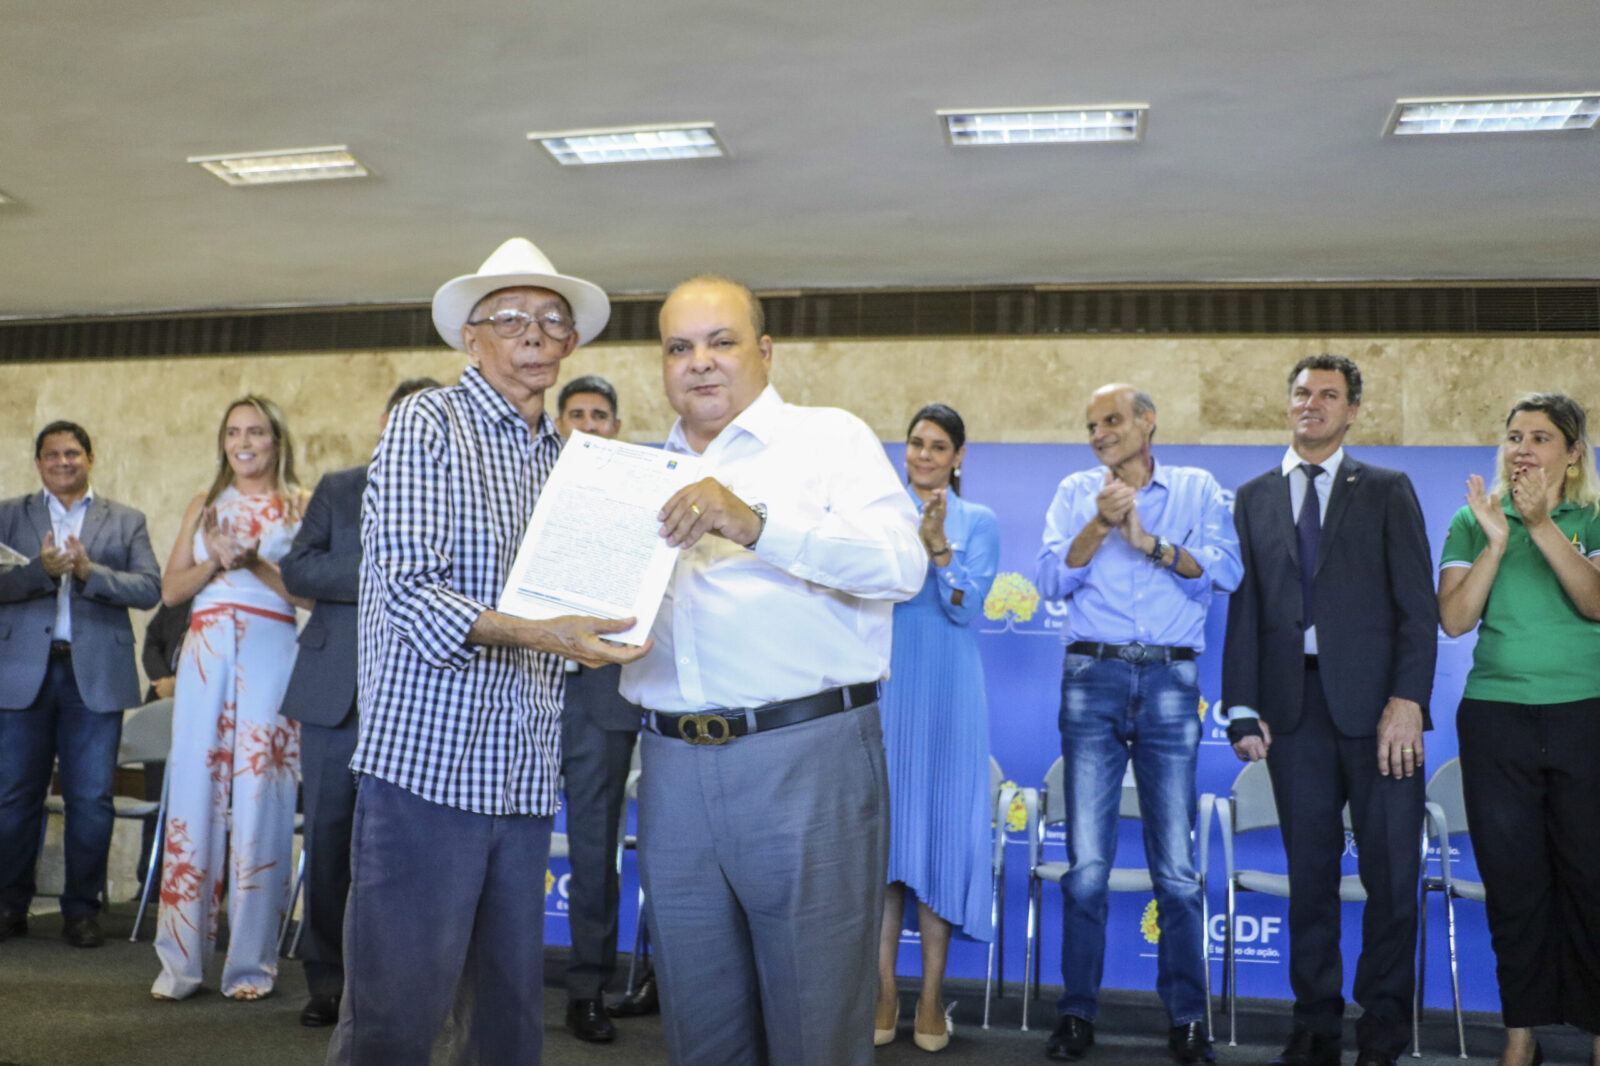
[(1133, 652)]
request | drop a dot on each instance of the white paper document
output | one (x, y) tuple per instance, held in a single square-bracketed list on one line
[(594, 546), (9, 556)]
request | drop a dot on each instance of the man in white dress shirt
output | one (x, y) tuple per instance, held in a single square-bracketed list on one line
[(763, 809)]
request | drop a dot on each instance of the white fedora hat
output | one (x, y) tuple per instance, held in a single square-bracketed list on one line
[(517, 262)]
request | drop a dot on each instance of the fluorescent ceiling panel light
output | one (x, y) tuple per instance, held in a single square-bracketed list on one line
[(1494, 114), (288, 164), (1044, 125), (632, 144)]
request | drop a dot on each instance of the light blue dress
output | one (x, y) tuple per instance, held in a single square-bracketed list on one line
[(936, 729)]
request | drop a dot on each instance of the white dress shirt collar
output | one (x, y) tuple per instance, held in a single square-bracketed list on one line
[(1330, 465)]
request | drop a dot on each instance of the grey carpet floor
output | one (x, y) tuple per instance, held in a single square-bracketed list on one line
[(61, 1006)]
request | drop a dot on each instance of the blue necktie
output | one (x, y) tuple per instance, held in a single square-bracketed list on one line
[(1308, 530)]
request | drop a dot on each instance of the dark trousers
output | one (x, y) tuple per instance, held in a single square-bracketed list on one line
[(1531, 775), (1315, 771), (330, 806), (446, 918), (57, 725), (594, 766)]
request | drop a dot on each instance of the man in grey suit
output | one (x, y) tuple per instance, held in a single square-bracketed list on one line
[(325, 565), (598, 731), (66, 672)]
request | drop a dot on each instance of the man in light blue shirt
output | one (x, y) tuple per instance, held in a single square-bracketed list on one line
[(1137, 549)]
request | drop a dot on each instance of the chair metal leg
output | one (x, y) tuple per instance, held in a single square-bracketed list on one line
[(994, 945), (1205, 955), (641, 941), (294, 897), (1030, 971), (1000, 941), (1230, 975), (1455, 978), (152, 872), (1422, 971)]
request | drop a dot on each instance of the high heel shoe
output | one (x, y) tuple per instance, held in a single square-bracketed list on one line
[(935, 1041), (881, 1037)]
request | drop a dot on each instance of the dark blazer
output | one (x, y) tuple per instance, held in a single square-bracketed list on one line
[(1377, 616), (325, 565), (123, 573)]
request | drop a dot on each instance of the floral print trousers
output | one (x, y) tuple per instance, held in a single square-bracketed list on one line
[(231, 780)]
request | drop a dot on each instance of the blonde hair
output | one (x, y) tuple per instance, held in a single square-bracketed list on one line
[(1582, 484), (283, 473)]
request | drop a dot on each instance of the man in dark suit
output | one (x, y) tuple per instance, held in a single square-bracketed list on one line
[(325, 565), (66, 672), (1327, 671), (598, 731)]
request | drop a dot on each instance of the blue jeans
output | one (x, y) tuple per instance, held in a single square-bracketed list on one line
[(57, 725), (1111, 710)]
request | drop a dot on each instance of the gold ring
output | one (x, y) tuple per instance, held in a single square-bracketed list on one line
[(1409, 751), (695, 507)]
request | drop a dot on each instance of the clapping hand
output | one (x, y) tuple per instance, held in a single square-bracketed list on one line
[(56, 561), (220, 543), (1114, 501), (1530, 496), (932, 528), (79, 556), (1491, 518)]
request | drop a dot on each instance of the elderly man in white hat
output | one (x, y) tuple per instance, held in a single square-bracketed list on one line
[(460, 705)]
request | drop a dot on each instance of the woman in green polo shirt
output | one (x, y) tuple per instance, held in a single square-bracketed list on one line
[(1519, 563)]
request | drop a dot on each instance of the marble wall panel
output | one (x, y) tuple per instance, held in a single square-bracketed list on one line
[(154, 420)]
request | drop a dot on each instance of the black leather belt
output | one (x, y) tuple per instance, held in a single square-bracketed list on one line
[(61, 649), (1131, 653), (719, 727)]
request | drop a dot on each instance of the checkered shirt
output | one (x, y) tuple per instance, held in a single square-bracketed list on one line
[(449, 493)]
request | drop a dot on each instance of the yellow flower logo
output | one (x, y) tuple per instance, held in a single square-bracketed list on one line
[(1148, 924), (1017, 813), (1204, 707), (1012, 597), (549, 882)]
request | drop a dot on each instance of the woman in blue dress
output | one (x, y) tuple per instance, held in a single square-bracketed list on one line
[(936, 730)]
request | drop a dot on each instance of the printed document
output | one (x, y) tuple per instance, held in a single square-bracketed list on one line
[(593, 546)]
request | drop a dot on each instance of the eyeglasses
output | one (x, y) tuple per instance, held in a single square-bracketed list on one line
[(511, 323)]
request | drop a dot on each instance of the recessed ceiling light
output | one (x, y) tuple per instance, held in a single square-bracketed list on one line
[(4, 199), (288, 164), (1044, 125), (632, 144), (1494, 114)]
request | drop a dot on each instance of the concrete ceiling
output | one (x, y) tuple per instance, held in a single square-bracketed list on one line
[(1263, 158)]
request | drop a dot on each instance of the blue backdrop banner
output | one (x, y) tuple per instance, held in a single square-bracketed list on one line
[(1020, 640)]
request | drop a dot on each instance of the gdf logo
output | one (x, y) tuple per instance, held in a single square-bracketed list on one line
[(1247, 928)]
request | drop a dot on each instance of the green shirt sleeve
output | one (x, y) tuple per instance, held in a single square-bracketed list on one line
[(1591, 534), (1464, 540)]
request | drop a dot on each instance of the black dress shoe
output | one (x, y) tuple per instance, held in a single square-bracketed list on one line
[(82, 932), (1189, 1045), (1071, 1040), (1306, 1048), (642, 1000), (320, 1011), (586, 1019), (13, 923)]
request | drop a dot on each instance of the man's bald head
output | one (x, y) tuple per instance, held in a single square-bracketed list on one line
[(758, 317)]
